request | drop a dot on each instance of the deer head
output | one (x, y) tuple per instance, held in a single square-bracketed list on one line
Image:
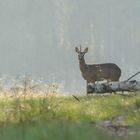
[(81, 53)]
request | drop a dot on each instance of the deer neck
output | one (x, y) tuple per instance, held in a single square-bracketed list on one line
[(82, 65)]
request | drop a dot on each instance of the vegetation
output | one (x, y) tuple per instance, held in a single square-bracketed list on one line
[(63, 117), (31, 110)]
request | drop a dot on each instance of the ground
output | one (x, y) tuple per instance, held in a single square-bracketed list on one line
[(107, 116)]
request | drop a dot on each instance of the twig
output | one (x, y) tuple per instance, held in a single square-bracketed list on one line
[(76, 98), (132, 76)]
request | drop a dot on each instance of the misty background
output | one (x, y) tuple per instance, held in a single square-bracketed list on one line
[(38, 37)]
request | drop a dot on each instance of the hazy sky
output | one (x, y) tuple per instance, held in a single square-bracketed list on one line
[(38, 37)]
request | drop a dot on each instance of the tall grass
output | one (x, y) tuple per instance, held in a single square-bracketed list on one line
[(61, 117), (95, 108), (32, 110)]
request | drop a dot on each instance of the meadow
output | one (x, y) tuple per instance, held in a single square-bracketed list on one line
[(32, 110), (58, 117)]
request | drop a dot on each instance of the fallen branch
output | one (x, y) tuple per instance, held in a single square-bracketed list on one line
[(108, 87), (132, 76)]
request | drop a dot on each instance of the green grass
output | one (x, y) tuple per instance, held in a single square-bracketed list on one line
[(63, 117), (54, 130)]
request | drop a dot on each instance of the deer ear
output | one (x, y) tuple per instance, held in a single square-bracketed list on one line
[(76, 49), (86, 50)]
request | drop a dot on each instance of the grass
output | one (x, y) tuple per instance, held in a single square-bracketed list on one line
[(63, 117), (53, 130)]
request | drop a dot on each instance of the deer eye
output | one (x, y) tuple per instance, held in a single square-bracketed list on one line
[(80, 54)]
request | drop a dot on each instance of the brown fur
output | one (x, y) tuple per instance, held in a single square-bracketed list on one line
[(97, 72)]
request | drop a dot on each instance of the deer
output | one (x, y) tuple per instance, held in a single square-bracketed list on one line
[(97, 72)]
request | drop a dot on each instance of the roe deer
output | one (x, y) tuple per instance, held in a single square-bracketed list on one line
[(97, 72)]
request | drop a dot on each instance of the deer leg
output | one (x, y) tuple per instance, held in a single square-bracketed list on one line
[(90, 89), (87, 86), (109, 80)]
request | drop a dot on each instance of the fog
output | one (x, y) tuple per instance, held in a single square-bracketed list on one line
[(38, 37)]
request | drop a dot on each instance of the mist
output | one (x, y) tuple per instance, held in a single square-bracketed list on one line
[(38, 38)]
